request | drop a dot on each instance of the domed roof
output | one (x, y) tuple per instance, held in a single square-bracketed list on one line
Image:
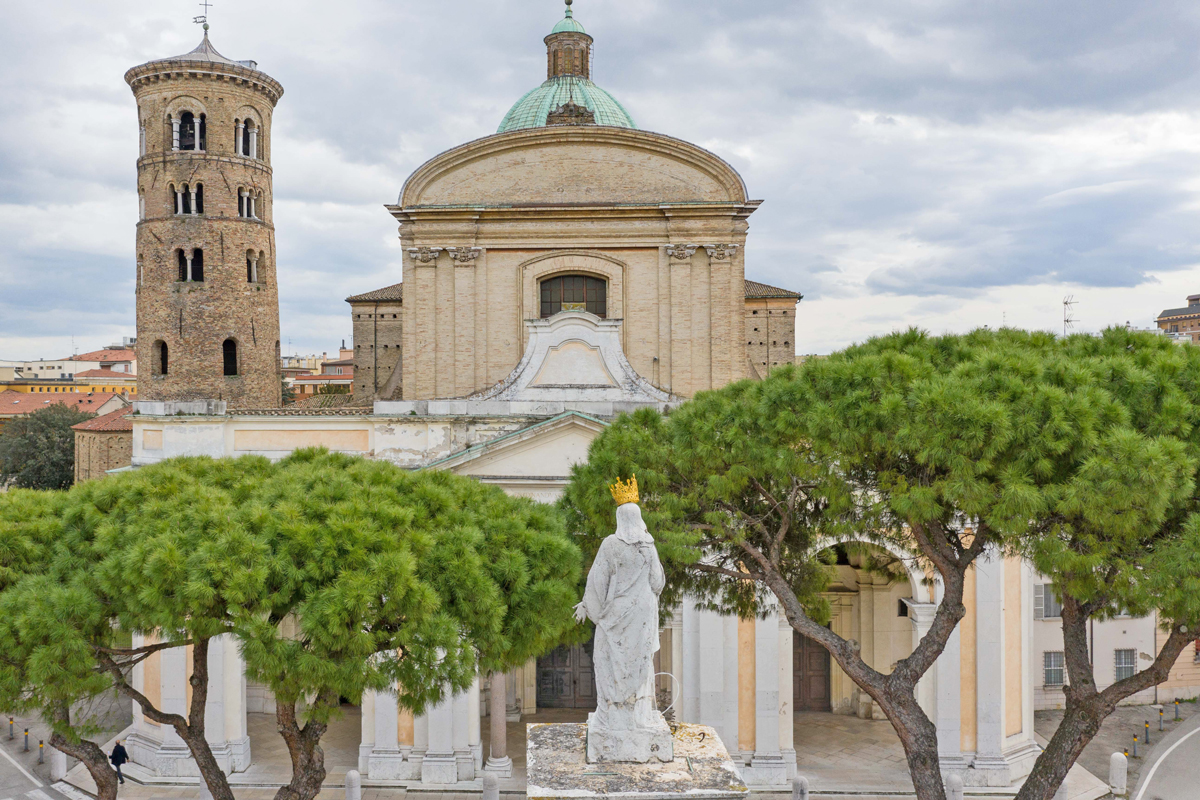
[(568, 25), (532, 110)]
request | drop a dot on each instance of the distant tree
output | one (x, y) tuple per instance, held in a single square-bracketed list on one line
[(942, 447), (333, 388), (382, 577), (38, 451), (287, 392)]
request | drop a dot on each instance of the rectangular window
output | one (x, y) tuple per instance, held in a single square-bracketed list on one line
[(1046, 604), (1053, 673), (1125, 662)]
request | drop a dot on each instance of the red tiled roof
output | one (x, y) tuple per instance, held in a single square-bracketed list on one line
[(115, 421), (106, 355), (757, 291), (106, 373), (394, 292), (15, 404)]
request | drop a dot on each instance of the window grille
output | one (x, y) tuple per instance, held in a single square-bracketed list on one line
[(1053, 669), (1046, 604), (1125, 662), (574, 293)]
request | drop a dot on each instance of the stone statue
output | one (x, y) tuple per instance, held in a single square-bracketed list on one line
[(622, 600)]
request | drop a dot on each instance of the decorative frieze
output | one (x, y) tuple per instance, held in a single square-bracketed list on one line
[(682, 252), (464, 256)]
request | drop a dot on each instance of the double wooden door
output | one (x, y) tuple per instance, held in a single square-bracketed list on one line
[(565, 678), (810, 675)]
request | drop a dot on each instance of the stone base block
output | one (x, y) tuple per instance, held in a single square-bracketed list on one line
[(390, 765), (439, 768), (558, 768), (638, 747)]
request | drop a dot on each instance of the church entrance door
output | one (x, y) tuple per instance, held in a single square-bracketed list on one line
[(565, 678), (810, 678)]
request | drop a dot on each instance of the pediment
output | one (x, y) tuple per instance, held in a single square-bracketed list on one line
[(545, 450), (574, 164)]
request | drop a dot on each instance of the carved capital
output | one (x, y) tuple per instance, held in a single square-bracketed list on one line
[(464, 256), (681, 252), (721, 252), (424, 255)]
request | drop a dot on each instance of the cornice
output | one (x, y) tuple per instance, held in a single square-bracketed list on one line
[(141, 76)]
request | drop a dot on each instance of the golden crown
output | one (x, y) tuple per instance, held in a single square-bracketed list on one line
[(625, 492)]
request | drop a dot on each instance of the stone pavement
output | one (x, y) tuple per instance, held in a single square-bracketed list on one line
[(1116, 734)]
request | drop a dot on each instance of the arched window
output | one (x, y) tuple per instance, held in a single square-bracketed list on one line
[(202, 133), (229, 353), (183, 265), (197, 264), (187, 131), (574, 293), (185, 199), (198, 193), (252, 260), (160, 364)]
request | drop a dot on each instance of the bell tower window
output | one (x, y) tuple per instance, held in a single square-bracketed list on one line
[(229, 356), (574, 293)]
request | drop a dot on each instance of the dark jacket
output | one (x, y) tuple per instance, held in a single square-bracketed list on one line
[(119, 756)]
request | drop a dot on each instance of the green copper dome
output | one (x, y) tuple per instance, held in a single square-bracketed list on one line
[(532, 110), (568, 25)]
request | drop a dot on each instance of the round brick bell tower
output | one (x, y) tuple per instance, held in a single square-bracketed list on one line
[(207, 294)]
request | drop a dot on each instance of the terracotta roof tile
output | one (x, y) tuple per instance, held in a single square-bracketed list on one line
[(15, 404), (761, 291), (106, 373), (106, 355), (115, 421), (395, 292)]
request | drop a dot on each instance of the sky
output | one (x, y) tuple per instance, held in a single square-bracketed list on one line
[(945, 164)]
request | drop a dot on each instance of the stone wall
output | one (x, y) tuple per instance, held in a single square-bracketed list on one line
[(377, 349), (96, 452), (770, 334), (194, 319)]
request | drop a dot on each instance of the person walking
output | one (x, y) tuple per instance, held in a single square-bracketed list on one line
[(119, 757)]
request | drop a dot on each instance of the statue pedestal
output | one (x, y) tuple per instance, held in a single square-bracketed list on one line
[(558, 768), (639, 747)]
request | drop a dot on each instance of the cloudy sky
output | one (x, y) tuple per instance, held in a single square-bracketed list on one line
[(940, 163)]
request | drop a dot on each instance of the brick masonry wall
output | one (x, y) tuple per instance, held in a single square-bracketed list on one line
[(377, 348), (96, 452), (195, 318), (770, 334)]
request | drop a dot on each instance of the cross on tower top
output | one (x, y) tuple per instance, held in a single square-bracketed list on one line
[(203, 18)]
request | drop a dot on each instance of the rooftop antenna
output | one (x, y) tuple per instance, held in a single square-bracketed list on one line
[(1069, 302), (203, 18)]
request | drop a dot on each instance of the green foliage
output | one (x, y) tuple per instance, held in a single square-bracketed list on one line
[(333, 388), (381, 575), (287, 392), (38, 451)]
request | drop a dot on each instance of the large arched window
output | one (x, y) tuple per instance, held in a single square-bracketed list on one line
[(161, 363), (187, 131), (229, 353), (574, 293)]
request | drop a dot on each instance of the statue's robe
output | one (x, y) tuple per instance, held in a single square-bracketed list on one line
[(622, 599)]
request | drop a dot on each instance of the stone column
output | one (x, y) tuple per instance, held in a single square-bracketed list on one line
[(680, 380), (690, 662), (172, 757), (712, 672), (386, 761), (192, 193), (178, 201), (989, 661), (498, 760), (440, 765), (174, 133), (676, 625), (188, 256), (767, 768), (254, 142), (253, 210), (464, 353), (366, 740), (240, 139), (225, 727), (787, 730), (254, 269), (729, 648), (142, 141), (921, 615)]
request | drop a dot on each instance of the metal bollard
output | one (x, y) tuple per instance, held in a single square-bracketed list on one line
[(41, 752), (1160, 720), (27, 740), (799, 788), (1135, 755), (11, 737), (1147, 739), (1118, 774), (954, 788), (354, 785), (1177, 711)]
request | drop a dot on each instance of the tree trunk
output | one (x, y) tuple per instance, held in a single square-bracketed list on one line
[(90, 754), (1087, 708), (191, 729), (304, 748)]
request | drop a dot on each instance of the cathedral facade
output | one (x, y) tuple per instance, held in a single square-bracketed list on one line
[(566, 269)]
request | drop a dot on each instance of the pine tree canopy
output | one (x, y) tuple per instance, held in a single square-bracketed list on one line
[(1078, 453)]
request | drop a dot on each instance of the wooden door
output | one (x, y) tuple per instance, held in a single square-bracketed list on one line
[(565, 678), (810, 678)]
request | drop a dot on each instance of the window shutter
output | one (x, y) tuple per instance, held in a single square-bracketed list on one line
[(1039, 601)]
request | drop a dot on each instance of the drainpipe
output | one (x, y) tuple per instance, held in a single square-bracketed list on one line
[(375, 351)]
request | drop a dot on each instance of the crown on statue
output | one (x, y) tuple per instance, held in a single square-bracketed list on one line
[(625, 492)]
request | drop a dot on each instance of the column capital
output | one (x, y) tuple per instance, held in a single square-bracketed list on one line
[(681, 252), (721, 252), (424, 255), (464, 256)]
